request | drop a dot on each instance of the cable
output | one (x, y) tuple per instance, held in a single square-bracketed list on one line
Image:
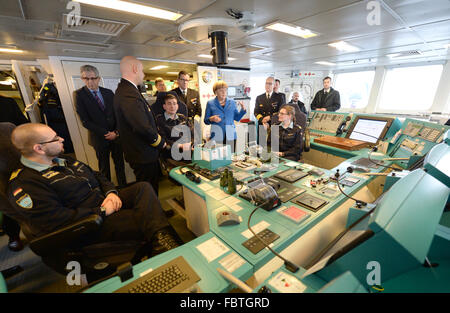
[(374, 149), (289, 265)]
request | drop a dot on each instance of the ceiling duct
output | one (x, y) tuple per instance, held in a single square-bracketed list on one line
[(95, 26)]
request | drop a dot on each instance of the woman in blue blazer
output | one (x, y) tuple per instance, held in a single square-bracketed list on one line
[(221, 112)]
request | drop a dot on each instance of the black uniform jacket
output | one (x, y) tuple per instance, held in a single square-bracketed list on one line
[(267, 107), (331, 102), (192, 101), (291, 141), (137, 126), (96, 121), (57, 196)]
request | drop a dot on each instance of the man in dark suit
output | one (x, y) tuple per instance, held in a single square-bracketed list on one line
[(276, 89), (160, 86), (189, 96), (95, 108), (136, 122), (327, 99), (267, 103), (296, 100)]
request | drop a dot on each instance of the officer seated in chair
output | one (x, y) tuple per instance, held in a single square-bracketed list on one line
[(48, 193), (177, 131), (290, 144)]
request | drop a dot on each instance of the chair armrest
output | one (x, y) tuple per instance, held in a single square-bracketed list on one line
[(63, 237)]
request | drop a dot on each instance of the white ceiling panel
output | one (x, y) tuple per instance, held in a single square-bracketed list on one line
[(434, 31), (416, 12)]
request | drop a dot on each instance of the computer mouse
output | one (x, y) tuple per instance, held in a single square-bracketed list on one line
[(226, 218)]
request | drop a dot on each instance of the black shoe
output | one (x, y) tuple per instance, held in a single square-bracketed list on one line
[(15, 244), (164, 240)]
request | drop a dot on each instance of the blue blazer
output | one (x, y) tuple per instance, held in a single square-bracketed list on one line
[(228, 114)]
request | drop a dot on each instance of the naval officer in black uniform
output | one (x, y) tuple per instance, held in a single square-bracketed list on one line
[(268, 103), (136, 123)]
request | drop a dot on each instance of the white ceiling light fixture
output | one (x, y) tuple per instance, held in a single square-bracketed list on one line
[(172, 73), (208, 56), (159, 67), (343, 46), (10, 50), (325, 63), (291, 30), (134, 8)]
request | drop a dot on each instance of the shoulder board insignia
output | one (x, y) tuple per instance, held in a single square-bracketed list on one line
[(76, 163), (25, 201), (50, 174), (14, 174)]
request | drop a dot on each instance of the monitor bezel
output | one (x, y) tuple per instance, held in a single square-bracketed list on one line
[(388, 120)]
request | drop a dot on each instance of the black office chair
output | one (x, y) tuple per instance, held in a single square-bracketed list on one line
[(67, 244), (157, 107)]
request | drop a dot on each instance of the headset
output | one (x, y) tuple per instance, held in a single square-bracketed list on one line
[(191, 176)]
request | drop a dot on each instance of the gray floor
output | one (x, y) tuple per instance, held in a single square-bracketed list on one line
[(37, 277)]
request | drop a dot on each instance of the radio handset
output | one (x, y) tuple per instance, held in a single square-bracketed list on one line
[(341, 129)]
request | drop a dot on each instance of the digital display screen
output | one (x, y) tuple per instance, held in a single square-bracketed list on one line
[(368, 130)]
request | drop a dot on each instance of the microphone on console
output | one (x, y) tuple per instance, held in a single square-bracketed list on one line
[(359, 203), (341, 129)]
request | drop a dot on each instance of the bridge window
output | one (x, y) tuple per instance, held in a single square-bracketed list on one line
[(410, 88), (354, 88)]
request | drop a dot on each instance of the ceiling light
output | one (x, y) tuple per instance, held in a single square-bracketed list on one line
[(10, 50), (134, 8), (158, 67), (343, 46), (291, 30), (325, 63), (172, 73), (208, 56)]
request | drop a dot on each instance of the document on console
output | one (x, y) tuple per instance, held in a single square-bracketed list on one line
[(212, 249)]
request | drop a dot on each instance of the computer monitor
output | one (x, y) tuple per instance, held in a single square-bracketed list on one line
[(369, 129)]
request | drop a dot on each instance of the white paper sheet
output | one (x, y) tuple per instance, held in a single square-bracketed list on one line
[(218, 194), (230, 201), (236, 207), (205, 187), (212, 249), (232, 262)]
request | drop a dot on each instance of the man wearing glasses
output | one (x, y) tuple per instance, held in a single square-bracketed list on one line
[(189, 96), (48, 192), (268, 103), (94, 105)]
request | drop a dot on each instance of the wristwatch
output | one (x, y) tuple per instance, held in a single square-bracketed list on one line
[(102, 211)]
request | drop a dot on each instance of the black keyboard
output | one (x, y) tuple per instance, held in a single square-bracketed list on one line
[(174, 276), (255, 245)]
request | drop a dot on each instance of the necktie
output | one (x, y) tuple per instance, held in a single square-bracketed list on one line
[(268, 96), (100, 103)]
